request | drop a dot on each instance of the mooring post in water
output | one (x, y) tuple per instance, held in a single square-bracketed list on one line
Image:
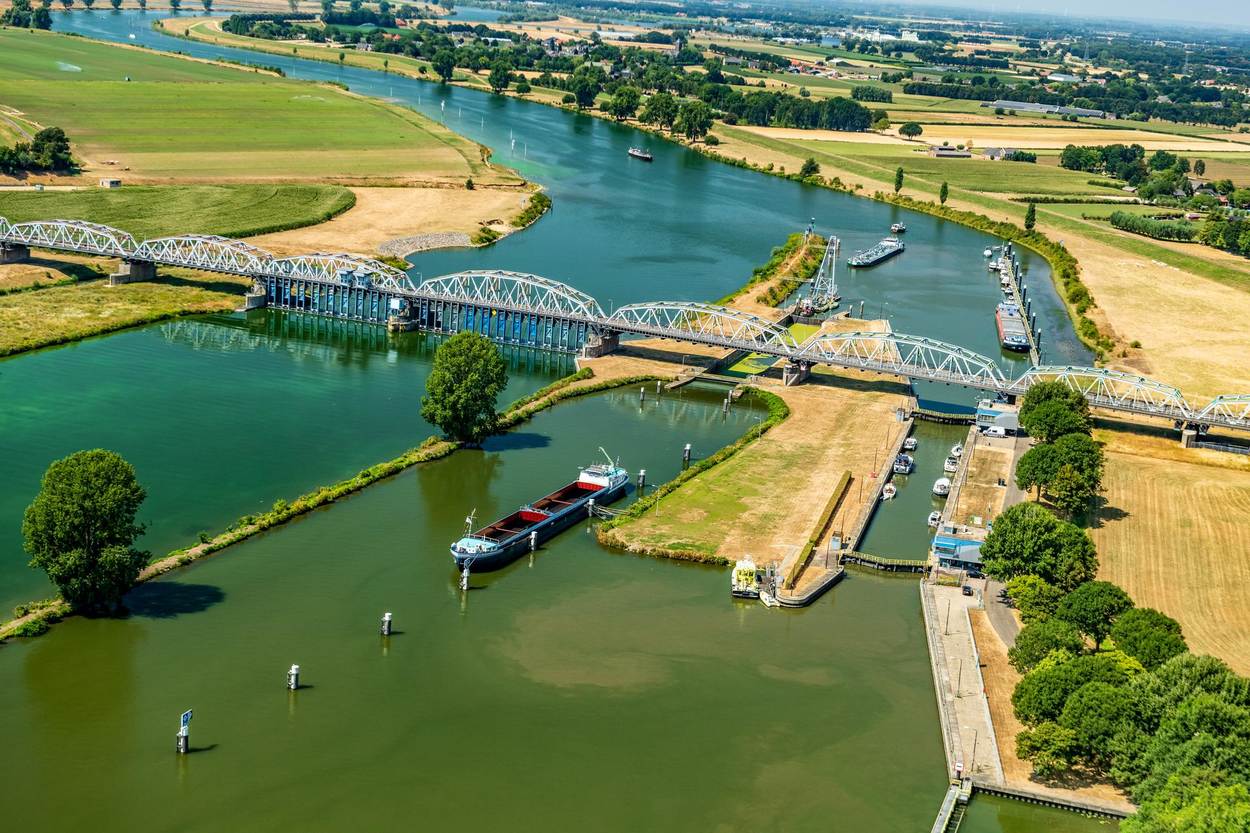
[(184, 733), (642, 396), (292, 678), (590, 508), (386, 624), (464, 578), (685, 456), (657, 387), (533, 541), (725, 406), (642, 482)]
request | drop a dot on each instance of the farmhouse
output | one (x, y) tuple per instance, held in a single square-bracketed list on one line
[(948, 152)]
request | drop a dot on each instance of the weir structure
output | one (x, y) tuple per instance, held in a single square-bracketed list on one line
[(533, 311)]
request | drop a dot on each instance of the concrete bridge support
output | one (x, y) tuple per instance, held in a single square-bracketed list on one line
[(795, 373), (13, 252), (601, 345), (131, 271), (256, 297)]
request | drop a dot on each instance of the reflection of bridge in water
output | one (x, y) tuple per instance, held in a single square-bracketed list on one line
[(529, 311)]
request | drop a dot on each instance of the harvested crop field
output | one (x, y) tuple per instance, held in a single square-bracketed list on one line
[(1058, 137), (1174, 533)]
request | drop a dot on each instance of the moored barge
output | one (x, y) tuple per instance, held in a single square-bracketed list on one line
[(1012, 331), (502, 542), (884, 250)]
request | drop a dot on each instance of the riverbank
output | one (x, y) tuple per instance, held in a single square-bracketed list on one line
[(39, 615)]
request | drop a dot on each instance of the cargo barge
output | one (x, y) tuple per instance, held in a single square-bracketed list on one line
[(502, 542), (1013, 333), (884, 250)]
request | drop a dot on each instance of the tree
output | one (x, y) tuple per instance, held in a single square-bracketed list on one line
[(1043, 692), (810, 168), (500, 76), (585, 88), (1034, 597), (1052, 419), (910, 129), (175, 4), (90, 3), (624, 102), (293, 4), (1043, 392), (1083, 453), (1036, 468), (444, 63), (116, 4), (67, 3), (1093, 713), (1035, 642), (143, 5), (1030, 217), (943, 192), (460, 393), (1194, 800), (660, 109), (1028, 540), (1049, 746), (1093, 608), (694, 120), (1070, 491), (81, 528), (1200, 167), (898, 179), (1151, 637), (207, 4), (1204, 731), (23, 16)]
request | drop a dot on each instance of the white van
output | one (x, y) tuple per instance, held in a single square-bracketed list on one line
[(996, 431)]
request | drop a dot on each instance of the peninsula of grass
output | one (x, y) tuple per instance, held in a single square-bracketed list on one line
[(228, 210)]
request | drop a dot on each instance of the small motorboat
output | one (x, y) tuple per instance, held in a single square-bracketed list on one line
[(942, 486), (910, 444), (951, 465), (992, 266), (935, 519), (889, 491), (988, 252), (957, 450), (897, 228), (768, 599), (641, 153), (904, 464)]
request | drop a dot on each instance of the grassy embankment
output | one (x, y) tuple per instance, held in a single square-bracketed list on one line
[(34, 618)]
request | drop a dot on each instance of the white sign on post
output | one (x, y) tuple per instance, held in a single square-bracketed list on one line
[(186, 719)]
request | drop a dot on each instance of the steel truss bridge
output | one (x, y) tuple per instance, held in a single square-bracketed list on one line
[(532, 311)]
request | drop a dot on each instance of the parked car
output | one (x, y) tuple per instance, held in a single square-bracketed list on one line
[(967, 589), (996, 431)]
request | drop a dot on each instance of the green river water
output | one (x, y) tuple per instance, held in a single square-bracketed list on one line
[(578, 688)]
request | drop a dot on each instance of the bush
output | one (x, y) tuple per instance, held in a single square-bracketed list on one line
[(1181, 230)]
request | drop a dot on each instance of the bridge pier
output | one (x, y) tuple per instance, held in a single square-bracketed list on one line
[(131, 271), (795, 373), (13, 252), (256, 297), (601, 345), (400, 322)]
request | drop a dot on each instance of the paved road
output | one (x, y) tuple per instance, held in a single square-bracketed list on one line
[(1000, 613)]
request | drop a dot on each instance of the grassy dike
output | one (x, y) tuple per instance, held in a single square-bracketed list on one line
[(791, 279), (34, 618)]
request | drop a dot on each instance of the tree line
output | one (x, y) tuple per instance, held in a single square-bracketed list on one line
[(1109, 689), (1182, 230), (47, 151)]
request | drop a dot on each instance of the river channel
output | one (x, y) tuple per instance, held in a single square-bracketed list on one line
[(580, 688)]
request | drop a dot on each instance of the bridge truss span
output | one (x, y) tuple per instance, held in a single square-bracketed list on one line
[(516, 291), (327, 267), (70, 236), (703, 324), (206, 252), (1231, 410), (1115, 389), (912, 356)]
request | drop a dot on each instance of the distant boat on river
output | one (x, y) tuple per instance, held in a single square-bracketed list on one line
[(887, 248), (641, 153)]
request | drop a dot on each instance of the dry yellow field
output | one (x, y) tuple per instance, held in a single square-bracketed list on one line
[(827, 136), (1175, 533), (1054, 138)]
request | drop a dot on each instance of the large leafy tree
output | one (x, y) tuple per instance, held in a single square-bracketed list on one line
[(1204, 732), (1149, 636), (1036, 468), (694, 120), (1093, 608), (461, 392), (81, 529), (1035, 642), (1043, 692), (1028, 540), (500, 76), (444, 63), (585, 86), (1049, 746), (1034, 597), (1052, 409), (1094, 712), (624, 102), (1194, 800), (660, 109)]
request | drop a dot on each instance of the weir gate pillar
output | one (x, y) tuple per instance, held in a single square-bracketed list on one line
[(130, 271)]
